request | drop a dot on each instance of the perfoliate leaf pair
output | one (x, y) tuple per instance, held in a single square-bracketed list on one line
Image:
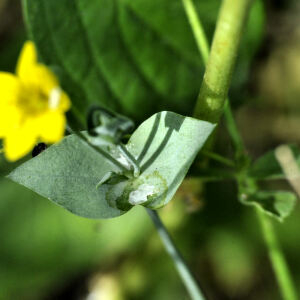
[(75, 176)]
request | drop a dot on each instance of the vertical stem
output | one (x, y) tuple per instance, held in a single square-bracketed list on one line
[(233, 131), (275, 253), (182, 268), (203, 48), (276, 256), (215, 85), (224, 160)]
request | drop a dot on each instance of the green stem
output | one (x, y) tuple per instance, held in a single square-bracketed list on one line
[(197, 28), (233, 131), (215, 85), (181, 266), (277, 258), (218, 158), (203, 48)]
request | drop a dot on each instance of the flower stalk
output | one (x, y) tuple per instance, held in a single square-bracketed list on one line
[(181, 266)]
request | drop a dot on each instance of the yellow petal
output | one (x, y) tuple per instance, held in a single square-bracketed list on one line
[(65, 102), (51, 126), (27, 59), (36, 76), (42, 77), (20, 141), (33, 73), (10, 118), (10, 87)]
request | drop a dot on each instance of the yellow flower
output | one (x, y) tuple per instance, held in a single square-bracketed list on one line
[(32, 106)]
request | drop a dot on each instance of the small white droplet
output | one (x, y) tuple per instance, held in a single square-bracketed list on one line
[(54, 98)]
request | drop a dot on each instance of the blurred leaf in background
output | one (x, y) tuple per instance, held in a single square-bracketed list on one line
[(137, 57)]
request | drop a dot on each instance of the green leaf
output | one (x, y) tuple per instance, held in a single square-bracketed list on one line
[(67, 173), (278, 204), (78, 178), (135, 57), (267, 166)]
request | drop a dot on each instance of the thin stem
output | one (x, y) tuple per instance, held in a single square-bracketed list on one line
[(215, 85), (197, 28), (219, 158), (181, 266), (97, 149), (233, 130), (277, 258)]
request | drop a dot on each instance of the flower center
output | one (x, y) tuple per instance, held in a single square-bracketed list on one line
[(33, 100)]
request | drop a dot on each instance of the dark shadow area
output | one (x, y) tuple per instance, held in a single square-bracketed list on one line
[(150, 138)]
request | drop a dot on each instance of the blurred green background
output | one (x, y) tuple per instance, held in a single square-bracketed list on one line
[(46, 253)]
